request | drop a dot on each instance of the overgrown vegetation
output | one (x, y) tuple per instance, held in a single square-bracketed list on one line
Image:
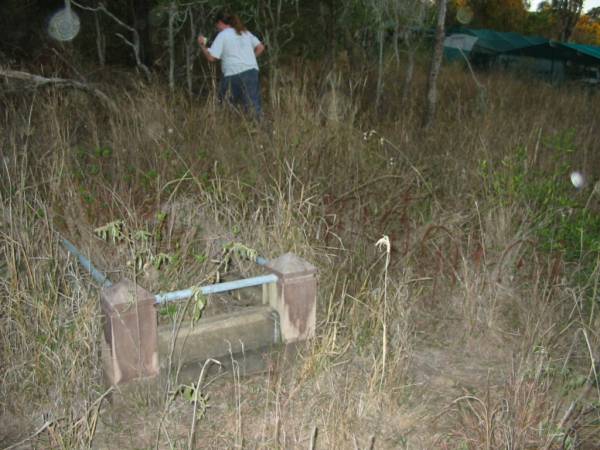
[(477, 327)]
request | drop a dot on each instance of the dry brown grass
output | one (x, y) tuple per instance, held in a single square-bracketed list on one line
[(467, 339)]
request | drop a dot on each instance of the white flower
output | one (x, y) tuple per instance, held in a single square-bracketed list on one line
[(368, 134), (384, 242)]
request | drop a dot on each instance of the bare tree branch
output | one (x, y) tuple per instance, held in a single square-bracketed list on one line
[(135, 45)]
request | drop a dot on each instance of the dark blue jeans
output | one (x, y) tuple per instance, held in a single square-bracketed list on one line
[(242, 89)]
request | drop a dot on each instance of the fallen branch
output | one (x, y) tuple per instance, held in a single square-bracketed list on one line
[(38, 80), (38, 432)]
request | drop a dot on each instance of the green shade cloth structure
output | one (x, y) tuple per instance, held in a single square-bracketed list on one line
[(491, 42)]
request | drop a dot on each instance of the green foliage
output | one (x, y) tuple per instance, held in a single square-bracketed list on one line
[(200, 258), (560, 215), (92, 163), (86, 196), (111, 231), (199, 302), (541, 23), (143, 245), (501, 15), (161, 259), (168, 311), (550, 429), (149, 177), (236, 248), (191, 393)]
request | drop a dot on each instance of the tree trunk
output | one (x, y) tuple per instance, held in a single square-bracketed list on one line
[(568, 14), (190, 53), (100, 40), (172, 14), (271, 15), (411, 47), (436, 63), (408, 77), (380, 66), (141, 12)]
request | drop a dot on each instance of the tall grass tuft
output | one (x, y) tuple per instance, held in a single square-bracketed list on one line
[(465, 327)]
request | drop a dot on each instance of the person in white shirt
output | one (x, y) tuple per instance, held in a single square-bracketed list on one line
[(237, 49)]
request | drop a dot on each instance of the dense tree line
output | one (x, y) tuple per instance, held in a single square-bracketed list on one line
[(307, 27), (158, 37), (159, 34), (563, 20)]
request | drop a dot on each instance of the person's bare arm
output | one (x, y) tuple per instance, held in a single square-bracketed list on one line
[(259, 49), (205, 52)]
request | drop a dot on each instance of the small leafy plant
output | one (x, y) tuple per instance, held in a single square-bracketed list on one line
[(559, 216), (141, 244)]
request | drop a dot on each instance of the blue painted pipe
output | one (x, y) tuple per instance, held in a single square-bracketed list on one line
[(100, 278), (216, 288), (103, 280)]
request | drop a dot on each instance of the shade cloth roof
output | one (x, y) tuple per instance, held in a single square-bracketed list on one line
[(496, 42)]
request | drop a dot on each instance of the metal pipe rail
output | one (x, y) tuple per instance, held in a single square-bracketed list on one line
[(100, 277), (215, 288), (166, 297)]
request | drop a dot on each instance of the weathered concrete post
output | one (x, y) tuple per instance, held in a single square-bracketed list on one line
[(294, 296), (130, 332)]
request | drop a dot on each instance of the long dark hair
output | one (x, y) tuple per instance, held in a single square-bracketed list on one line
[(232, 20)]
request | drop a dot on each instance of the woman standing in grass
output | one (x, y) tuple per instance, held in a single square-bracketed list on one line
[(237, 50)]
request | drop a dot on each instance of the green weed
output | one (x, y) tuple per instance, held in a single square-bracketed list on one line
[(559, 216)]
